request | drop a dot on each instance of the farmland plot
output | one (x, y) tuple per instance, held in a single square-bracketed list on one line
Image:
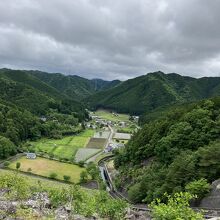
[(97, 143), (102, 134), (45, 167), (65, 147), (85, 153)]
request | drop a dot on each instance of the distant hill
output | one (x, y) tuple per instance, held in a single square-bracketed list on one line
[(154, 90), (75, 87), (35, 90)]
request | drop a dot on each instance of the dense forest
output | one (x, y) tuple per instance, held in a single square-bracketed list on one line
[(149, 92), (170, 152), (30, 109), (74, 86)]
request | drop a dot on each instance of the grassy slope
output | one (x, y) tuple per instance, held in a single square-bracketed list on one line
[(44, 167), (34, 180), (65, 147)]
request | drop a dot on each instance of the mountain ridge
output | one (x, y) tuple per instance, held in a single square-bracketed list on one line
[(148, 92)]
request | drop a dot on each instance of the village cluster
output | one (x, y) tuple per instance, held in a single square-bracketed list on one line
[(110, 130)]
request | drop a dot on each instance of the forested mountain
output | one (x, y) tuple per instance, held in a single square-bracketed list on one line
[(172, 151), (30, 109), (155, 90), (73, 86)]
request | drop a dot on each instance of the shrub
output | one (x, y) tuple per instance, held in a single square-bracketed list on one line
[(93, 171), (83, 177), (135, 193), (18, 186), (200, 188), (53, 176), (58, 197), (6, 163), (18, 165), (29, 170), (51, 155), (81, 163), (177, 207), (66, 178)]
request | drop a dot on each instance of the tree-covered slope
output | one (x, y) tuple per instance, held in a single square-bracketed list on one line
[(155, 90), (172, 151), (74, 86), (24, 101), (27, 91), (28, 79)]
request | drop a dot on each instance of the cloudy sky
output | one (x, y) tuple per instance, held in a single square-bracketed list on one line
[(111, 38)]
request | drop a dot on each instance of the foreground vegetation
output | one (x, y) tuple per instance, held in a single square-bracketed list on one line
[(86, 203), (33, 181), (49, 168), (171, 152)]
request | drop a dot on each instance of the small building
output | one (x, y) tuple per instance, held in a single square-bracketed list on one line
[(31, 156)]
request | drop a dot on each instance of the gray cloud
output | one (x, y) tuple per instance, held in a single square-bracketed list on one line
[(111, 39)]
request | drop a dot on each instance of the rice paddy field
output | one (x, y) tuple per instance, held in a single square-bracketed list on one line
[(44, 167), (66, 147)]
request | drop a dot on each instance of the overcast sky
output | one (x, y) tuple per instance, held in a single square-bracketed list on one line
[(111, 38)]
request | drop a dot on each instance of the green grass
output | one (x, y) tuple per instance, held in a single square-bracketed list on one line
[(109, 116), (65, 147), (44, 167)]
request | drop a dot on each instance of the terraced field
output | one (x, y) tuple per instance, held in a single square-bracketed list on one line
[(65, 147)]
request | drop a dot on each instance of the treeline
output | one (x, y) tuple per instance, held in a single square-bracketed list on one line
[(168, 153)]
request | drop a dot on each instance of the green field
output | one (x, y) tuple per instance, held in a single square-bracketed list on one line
[(65, 147), (109, 116), (44, 167)]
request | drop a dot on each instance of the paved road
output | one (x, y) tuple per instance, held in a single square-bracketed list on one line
[(110, 136)]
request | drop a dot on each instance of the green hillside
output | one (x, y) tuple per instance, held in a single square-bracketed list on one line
[(154, 90), (74, 86), (27, 91), (172, 151), (24, 100)]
